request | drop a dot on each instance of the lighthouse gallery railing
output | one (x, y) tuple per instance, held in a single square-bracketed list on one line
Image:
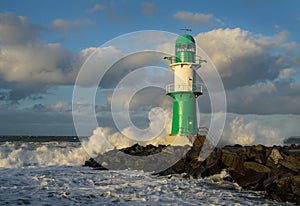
[(184, 88)]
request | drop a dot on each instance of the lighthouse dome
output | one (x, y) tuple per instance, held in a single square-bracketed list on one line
[(185, 49)]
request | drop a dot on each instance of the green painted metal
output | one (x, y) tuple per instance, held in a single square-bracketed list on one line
[(184, 107), (185, 49), (184, 113)]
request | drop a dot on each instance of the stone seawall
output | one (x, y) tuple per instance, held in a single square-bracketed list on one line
[(275, 169)]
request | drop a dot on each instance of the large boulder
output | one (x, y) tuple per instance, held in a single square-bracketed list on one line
[(210, 166), (291, 163), (257, 167), (251, 175), (250, 179), (285, 189), (92, 163)]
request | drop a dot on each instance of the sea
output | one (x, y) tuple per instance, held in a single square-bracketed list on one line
[(38, 170)]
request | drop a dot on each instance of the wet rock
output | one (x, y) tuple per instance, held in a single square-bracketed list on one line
[(275, 156), (199, 141), (249, 179), (257, 154), (257, 167), (291, 163), (179, 167), (92, 163), (285, 189), (212, 165), (250, 175), (260, 147), (274, 169), (139, 150), (232, 160)]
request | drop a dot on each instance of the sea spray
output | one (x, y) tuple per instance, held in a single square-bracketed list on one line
[(105, 139), (16, 155), (248, 132)]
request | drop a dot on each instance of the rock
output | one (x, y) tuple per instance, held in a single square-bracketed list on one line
[(257, 154), (267, 182), (293, 150), (257, 167), (193, 153), (260, 147), (138, 150), (92, 163), (285, 189), (212, 169), (228, 158), (250, 179), (275, 156), (232, 160), (199, 141), (274, 169), (191, 165), (179, 167), (211, 166), (290, 163), (296, 189)]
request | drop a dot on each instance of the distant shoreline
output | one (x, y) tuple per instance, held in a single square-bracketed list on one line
[(37, 138)]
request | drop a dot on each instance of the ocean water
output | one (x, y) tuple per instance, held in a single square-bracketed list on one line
[(43, 172)]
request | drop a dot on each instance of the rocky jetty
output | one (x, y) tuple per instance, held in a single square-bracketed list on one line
[(275, 169), (148, 158)]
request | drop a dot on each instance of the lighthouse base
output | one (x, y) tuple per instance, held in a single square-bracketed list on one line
[(180, 139)]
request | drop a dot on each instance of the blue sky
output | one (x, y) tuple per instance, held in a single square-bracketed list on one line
[(41, 41), (107, 19)]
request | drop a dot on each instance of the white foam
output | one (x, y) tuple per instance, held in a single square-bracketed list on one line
[(61, 185), (16, 155), (245, 132), (105, 139)]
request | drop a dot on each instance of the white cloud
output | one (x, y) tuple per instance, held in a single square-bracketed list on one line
[(46, 63), (286, 73), (29, 66), (259, 72), (65, 25), (193, 18), (243, 58), (255, 69), (60, 106), (97, 7)]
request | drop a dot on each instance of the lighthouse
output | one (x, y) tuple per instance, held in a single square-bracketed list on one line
[(185, 88)]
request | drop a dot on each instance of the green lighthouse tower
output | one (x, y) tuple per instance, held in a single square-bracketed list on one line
[(185, 89)]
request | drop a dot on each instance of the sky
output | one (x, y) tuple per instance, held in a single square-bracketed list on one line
[(254, 45)]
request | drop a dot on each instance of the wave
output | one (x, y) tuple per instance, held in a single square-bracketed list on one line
[(31, 154)]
